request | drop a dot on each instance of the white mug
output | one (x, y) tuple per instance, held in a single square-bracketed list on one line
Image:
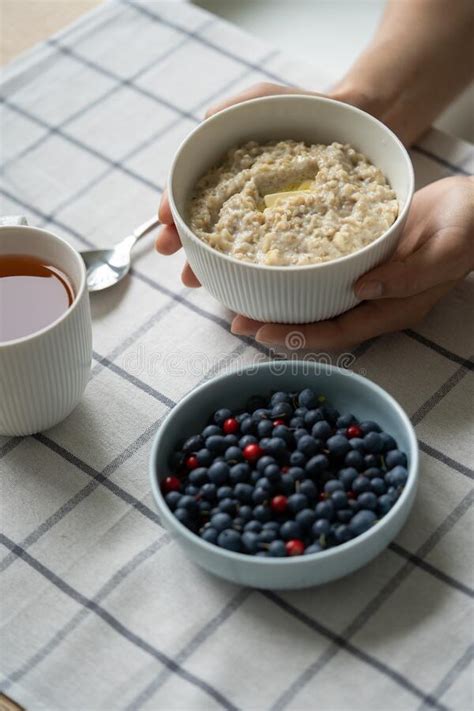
[(43, 375)]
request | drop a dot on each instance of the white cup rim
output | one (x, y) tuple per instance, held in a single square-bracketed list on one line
[(291, 268), (77, 295)]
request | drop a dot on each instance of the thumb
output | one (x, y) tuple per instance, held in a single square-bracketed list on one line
[(440, 259)]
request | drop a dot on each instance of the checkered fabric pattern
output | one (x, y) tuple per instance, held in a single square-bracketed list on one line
[(100, 610)]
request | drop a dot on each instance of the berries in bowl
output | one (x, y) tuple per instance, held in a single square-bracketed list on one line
[(286, 475)]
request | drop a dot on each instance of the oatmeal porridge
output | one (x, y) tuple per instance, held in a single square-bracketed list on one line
[(291, 203)]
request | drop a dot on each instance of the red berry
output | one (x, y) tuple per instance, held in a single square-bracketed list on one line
[(353, 431), (322, 496), (278, 422), (252, 452), (285, 469), (294, 547), (230, 426), (171, 483), (279, 503), (351, 495), (191, 462)]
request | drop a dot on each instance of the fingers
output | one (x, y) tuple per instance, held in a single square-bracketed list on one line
[(164, 210), (440, 259), (167, 241), (366, 321), (253, 92), (189, 278)]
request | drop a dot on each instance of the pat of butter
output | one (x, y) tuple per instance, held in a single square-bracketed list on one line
[(292, 191)]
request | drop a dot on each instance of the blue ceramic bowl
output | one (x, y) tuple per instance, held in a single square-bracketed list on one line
[(345, 390)]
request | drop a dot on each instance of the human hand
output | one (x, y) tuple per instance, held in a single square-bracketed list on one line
[(167, 241), (436, 251)]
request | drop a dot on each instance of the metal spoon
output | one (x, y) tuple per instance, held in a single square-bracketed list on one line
[(106, 267)]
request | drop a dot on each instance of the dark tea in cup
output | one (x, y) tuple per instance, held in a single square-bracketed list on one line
[(33, 294)]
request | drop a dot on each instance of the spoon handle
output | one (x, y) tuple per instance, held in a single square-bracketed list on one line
[(144, 229)]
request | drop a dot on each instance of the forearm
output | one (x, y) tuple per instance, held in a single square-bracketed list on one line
[(419, 60)]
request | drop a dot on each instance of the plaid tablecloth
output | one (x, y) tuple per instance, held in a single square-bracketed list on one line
[(100, 611)]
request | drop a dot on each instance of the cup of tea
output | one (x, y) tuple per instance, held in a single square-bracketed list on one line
[(45, 328)]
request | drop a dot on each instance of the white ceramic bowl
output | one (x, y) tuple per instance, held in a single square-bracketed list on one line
[(287, 294), (346, 391)]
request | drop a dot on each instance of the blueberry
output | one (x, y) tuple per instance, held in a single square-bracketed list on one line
[(247, 439), (367, 500), (267, 535), (332, 485), (231, 440), (277, 549), (339, 499), (343, 534), (193, 444), (265, 428), (283, 433), (297, 459), (220, 416), (248, 426), (261, 513), (393, 492), (300, 432), (262, 413), (371, 460), (264, 483), (224, 492), (264, 462), (250, 542), (395, 458), (322, 430), (218, 473), (344, 421), (313, 416), (344, 515), (253, 525), (189, 503), (233, 454), (204, 457), (279, 396), (384, 504), (239, 473), (397, 476), (210, 535), (313, 548), (369, 426), (360, 484), (388, 442), (377, 485), (325, 509), (338, 445), (276, 447), (317, 465), (210, 431), (209, 492), (296, 473), (198, 477), (221, 521), (281, 409), (245, 513), (230, 540), (191, 490), (297, 502), (272, 473), (216, 444), (274, 525), (307, 398), (357, 444), (259, 495), (308, 488), (347, 476), (287, 484), (307, 445), (305, 518), (321, 527), (172, 499), (373, 442), (183, 516), (354, 459), (300, 412), (290, 530), (372, 472), (296, 423), (361, 522), (255, 476), (228, 506)]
